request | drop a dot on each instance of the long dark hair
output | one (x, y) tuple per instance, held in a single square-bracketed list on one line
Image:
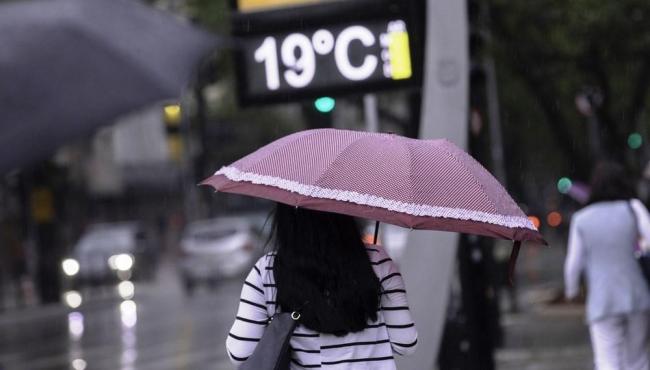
[(321, 263), (610, 181)]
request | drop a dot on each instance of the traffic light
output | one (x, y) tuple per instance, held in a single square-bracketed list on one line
[(564, 185), (635, 140), (318, 114), (172, 117), (325, 104)]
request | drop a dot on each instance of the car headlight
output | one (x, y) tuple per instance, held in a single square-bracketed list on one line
[(126, 289), (72, 299), (70, 266), (121, 262)]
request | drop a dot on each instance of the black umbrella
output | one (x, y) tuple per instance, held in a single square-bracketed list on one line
[(70, 66)]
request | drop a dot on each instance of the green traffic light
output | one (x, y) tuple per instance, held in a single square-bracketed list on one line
[(325, 104), (564, 185), (635, 140)]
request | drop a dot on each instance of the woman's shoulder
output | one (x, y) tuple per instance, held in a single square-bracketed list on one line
[(265, 262), (603, 208)]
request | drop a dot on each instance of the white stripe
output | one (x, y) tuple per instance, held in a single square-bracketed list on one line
[(234, 174)]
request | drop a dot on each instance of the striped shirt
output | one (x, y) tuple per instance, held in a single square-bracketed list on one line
[(371, 348)]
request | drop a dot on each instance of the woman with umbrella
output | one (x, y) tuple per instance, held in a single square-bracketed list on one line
[(354, 311), (350, 298)]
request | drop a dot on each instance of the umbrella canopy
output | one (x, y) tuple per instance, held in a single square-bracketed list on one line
[(420, 184), (69, 66)]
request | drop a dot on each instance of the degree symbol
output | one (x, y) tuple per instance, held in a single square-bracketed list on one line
[(323, 41)]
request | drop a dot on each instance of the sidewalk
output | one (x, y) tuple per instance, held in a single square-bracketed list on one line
[(544, 335)]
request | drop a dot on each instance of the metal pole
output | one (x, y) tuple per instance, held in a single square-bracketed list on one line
[(429, 261), (370, 113), (496, 139)]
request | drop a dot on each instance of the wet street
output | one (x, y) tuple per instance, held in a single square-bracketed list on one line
[(160, 328)]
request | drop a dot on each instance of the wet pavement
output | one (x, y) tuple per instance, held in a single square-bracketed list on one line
[(544, 334), (160, 328)]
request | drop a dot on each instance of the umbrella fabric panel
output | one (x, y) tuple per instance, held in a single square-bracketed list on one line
[(491, 186), (412, 176), (381, 174), (39, 106), (407, 182), (310, 154), (70, 66)]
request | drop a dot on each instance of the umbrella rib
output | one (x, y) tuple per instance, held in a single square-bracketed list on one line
[(461, 164), (339, 155), (410, 174)]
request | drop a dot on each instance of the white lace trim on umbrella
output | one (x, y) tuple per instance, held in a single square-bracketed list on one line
[(413, 209)]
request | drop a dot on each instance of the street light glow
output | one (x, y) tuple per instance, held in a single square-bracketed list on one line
[(172, 113)]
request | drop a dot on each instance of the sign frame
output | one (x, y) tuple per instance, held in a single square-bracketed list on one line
[(312, 16)]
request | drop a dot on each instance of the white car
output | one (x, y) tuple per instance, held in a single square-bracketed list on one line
[(110, 252), (219, 248)]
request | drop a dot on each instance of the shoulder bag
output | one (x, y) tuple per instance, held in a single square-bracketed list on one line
[(273, 351)]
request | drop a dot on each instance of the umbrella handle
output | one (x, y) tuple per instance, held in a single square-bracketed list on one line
[(376, 232), (513, 261)]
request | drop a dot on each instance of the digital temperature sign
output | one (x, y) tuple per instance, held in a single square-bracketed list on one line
[(325, 58)]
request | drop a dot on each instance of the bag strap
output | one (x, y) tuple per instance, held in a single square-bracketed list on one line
[(636, 220), (637, 233)]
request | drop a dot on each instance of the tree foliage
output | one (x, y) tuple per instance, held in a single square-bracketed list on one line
[(549, 51)]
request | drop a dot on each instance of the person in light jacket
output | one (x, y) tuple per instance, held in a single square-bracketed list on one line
[(354, 312), (602, 241)]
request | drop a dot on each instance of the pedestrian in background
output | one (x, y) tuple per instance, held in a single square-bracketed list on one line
[(602, 241), (354, 311)]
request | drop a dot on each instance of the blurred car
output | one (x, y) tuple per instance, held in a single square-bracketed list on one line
[(111, 252), (219, 248)]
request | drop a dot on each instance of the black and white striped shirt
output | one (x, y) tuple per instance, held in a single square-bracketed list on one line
[(372, 348)]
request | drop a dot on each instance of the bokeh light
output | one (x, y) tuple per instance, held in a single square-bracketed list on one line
[(129, 313), (635, 140), (70, 266), (554, 219), (75, 325), (535, 220), (564, 185), (172, 113), (325, 104), (72, 299), (79, 364), (126, 289)]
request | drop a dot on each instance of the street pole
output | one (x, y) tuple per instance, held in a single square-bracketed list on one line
[(428, 263), (370, 113), (496, 138)]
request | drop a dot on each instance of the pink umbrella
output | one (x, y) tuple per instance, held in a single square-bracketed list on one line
[(419, 184)]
